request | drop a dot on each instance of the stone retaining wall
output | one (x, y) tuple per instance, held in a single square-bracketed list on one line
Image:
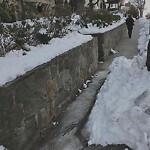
[(29, 103), (109, 40)]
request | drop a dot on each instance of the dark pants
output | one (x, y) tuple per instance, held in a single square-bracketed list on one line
[(129, 32)]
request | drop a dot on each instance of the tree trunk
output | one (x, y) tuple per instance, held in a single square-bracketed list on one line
[(141, 12), (23, 10)]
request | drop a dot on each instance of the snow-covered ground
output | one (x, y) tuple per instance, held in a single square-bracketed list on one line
[(121, 114)]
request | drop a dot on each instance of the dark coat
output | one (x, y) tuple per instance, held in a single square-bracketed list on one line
[(130, 23)]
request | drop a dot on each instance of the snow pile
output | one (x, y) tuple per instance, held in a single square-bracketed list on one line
[(144, 35), (121, 114), (94, 29), (2, 148), (113, 51), (115, 118), (143, 42)]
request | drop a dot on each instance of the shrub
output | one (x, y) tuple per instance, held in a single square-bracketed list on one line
[(40, 31), (62, 10), (42, 38), (100, 19), (133, 11)]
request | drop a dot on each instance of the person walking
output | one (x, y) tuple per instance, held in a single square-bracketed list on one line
[(130, 24)]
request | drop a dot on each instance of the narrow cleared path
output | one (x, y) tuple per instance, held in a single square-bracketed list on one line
[(126, 47), (67, 131)]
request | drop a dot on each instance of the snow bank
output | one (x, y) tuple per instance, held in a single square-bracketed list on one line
[(15, 64), (115, 118), (119, 115), (92, 30)]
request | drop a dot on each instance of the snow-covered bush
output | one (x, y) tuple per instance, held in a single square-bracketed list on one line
[(32, 32), (97, 18)]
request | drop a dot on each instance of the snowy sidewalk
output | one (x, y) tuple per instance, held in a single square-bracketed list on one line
[(66, 132), (126, 47)]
